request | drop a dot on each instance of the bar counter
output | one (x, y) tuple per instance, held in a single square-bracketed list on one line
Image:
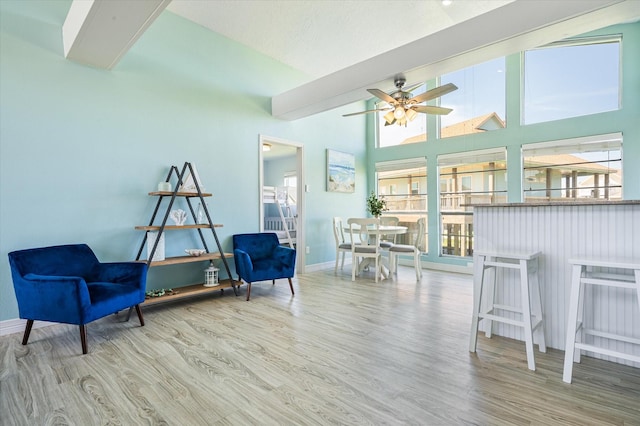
[(562, 230)]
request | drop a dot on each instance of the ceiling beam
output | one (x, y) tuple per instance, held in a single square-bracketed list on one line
[(509, 29), (100, 32)]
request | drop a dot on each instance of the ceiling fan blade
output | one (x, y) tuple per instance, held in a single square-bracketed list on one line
[(412, 88), (433, 93), (382, 95), (428, 109), (367, 111)]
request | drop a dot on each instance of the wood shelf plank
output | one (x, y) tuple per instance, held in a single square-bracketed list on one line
[(176, 227), (187, 259), (188, 291), (180, 194)]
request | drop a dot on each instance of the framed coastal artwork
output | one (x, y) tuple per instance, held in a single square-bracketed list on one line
[(341, 171)]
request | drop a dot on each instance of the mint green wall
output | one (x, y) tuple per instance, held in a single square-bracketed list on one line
[(625, 120), (80, 147)]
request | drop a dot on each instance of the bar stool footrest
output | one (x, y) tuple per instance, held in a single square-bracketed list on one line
[(608, 352), (493, 263), (610, 283), (499, 318), (611, 336)]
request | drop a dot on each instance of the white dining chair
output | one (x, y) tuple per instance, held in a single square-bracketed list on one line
[(399, 249), (387, 240), (365, 244), (342, 246)]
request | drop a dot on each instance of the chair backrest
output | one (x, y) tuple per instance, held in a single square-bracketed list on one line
[(338, 230), (258, 245), (365, 231), (389, 220), (419, 242), (73, 260)]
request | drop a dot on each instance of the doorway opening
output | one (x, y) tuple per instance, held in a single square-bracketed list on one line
[(281, 192)]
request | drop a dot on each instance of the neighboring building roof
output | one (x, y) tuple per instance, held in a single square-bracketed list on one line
[(568, 163), (490, 121), (479, 124)]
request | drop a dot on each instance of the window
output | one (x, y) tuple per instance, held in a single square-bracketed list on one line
[(403, 185), (571, 78), (588, 167), (477, 177), (392, 135), (290, 179), (479, 103)]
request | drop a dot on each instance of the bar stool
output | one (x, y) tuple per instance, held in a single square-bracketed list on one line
[(582, 273), (527, 265)]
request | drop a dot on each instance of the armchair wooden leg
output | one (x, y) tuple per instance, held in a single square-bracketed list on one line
[(83, 338), (139, 312), (291, 286), (27, 332), (248, 291)]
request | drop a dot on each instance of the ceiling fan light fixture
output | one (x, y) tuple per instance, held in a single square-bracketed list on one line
[(410, 114), (389, 117), (399, 112)]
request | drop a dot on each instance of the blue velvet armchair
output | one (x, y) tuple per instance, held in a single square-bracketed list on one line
[(260, 257), (68, 284)]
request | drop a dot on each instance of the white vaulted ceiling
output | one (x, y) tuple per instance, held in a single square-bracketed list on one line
[(321, 37), (346, 46)]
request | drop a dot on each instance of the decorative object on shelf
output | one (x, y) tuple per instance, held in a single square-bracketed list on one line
[(195, 252), (159, 253), (178, 216), (341, 171), (376, 205), (160, 292), (191, 180), (164, 187), (201, 215), (211, 276)]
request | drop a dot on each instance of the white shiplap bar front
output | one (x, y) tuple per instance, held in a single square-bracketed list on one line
[(561, 231)]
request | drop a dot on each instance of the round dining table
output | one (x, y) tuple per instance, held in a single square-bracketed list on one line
[(382, 230)]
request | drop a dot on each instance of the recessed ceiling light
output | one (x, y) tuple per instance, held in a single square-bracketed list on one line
[(446, 2)]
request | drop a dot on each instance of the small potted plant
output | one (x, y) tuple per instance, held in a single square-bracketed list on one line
[(376, 205)]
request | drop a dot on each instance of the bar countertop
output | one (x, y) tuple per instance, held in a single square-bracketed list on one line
[(560, 203)]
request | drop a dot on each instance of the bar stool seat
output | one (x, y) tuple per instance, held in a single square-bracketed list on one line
[(582, 274), (530, 306)]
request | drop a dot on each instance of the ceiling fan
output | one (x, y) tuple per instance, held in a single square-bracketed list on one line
[(403, 106)]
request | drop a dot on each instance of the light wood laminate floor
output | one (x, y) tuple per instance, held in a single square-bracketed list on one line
[(338, 352)]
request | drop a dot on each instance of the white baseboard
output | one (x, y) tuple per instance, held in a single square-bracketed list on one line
[(17, 325), (444, 267), (322, 266)]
